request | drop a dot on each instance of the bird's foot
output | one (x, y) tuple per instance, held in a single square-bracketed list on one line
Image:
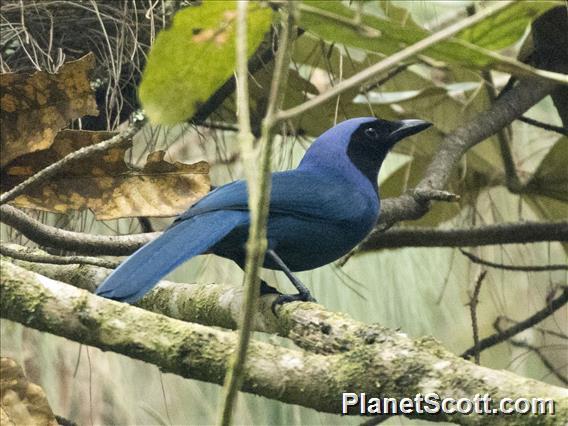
[(287, 298)]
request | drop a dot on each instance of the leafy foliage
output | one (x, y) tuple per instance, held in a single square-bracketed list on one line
[(193, 58), (333, 21)]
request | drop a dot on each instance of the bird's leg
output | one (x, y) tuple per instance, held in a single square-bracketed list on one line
[(264, 287), (303, 295), (267, 289)]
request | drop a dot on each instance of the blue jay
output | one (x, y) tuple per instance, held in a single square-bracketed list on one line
[(318, 213)]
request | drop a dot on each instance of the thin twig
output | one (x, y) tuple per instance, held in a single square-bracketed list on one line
[(258, 187), (500, 337), (473, 302), (501, 233), (233, 377), (58, 260), (80, 242), (355, 22), (73, 157), (391, 74), (545, 361), (545, 126), (539, 329), (532, 268)]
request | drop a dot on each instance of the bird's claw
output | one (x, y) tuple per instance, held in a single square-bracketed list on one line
[(287, 298)]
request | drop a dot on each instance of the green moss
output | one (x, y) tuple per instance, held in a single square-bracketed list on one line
[(17, 302)]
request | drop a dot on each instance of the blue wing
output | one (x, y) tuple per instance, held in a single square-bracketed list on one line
[(294, 193), (143, 269)]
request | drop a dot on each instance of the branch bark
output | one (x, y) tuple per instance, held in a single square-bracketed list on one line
[(503, 335), (123, 245), (503, 233), (31, 255), (308, 325), (291, 376), (501, 113), (45, 235), (521, 268)]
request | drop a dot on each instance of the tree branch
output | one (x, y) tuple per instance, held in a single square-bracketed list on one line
[(245, 139), (309, 326), (501, 113), (291, 376), (122, 245), (30, 256), (473, 302), (79, 242), (545, 126), (501, 336), (543, 331), (258, 184), (503, 233), (503, 135), (532, 268)]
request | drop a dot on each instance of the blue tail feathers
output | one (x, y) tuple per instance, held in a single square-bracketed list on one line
[(186, 239)]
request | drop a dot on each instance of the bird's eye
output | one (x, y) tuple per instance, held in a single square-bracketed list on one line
[(371, 133)]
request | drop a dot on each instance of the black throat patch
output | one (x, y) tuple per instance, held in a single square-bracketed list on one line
[(368, 147)]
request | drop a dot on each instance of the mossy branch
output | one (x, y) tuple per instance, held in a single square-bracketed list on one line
[(375, 366), (308, 325)]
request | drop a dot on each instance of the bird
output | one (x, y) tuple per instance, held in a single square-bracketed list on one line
[(318, 212)]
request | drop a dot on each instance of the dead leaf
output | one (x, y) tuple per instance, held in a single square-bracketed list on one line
[(105, 183), (22, 402), (33, 108)]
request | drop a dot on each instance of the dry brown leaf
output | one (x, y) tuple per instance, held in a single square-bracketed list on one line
[(33, 108), (105, 184), (22, 402)]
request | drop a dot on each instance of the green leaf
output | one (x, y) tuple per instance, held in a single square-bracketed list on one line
[(193, 58), (507, 27), (333, 21)]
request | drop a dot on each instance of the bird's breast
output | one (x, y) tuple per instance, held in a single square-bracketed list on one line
[(310, 242)]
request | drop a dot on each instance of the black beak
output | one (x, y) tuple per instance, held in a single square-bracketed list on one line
[(408, 128)]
